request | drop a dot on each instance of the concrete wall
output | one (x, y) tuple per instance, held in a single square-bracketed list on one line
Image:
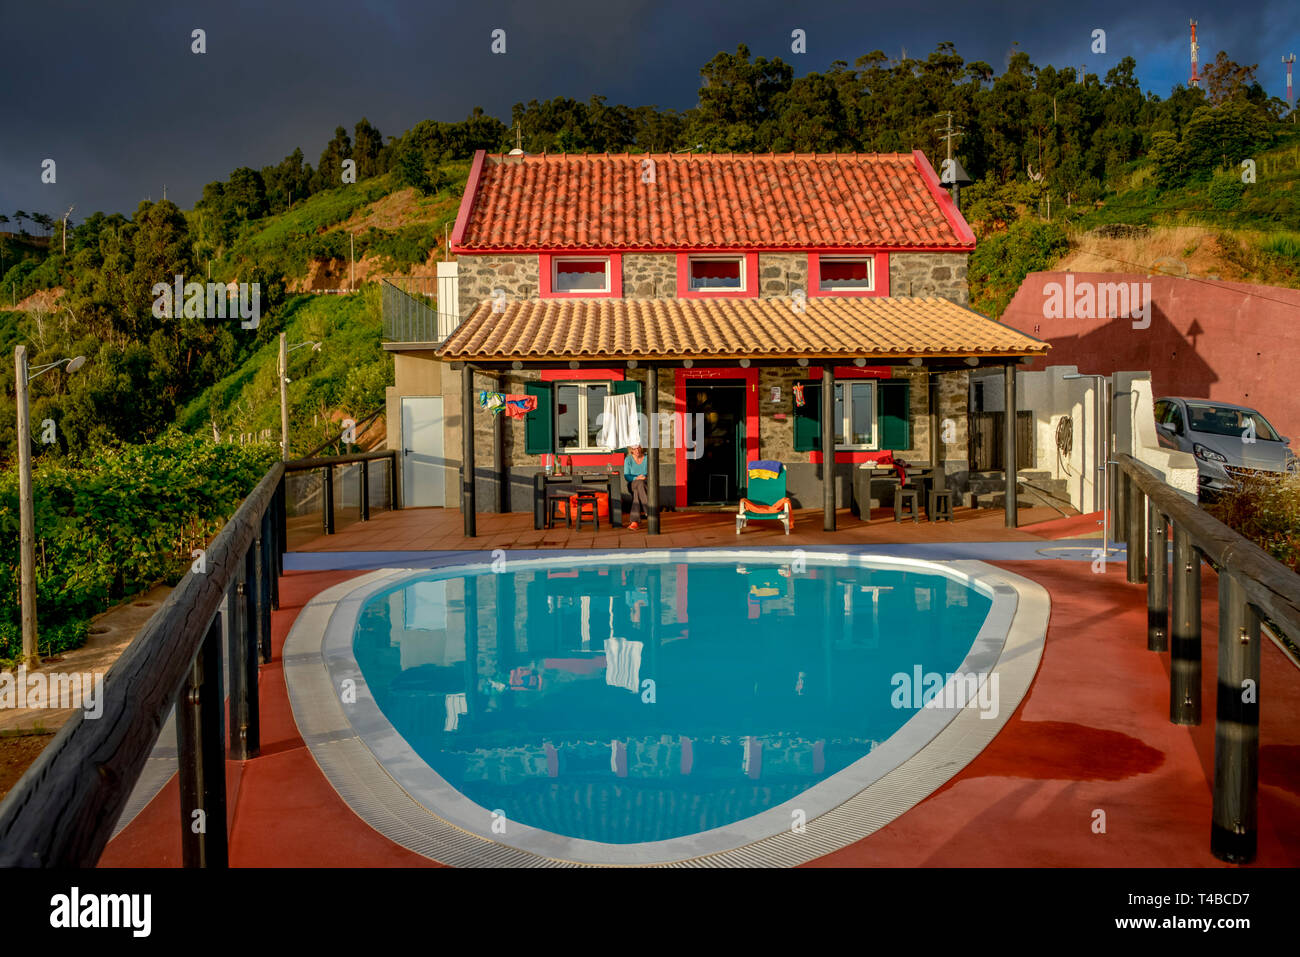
[(1207, 339)]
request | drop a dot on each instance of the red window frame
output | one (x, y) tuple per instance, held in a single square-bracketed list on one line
[(546, 276), (879, 275), (750, 270)]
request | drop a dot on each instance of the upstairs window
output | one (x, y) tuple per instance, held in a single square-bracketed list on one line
[(845, 274), (580, 275), (716, 273)]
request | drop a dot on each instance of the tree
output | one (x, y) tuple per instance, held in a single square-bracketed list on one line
[(44, 221), (738, 101), (19, 216), (329, 172), (1226, 80), (368, 147), (246, 193)]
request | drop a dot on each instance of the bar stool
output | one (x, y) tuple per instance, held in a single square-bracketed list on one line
[(940, 505), (555, 498), (584, 500), (907, 500)]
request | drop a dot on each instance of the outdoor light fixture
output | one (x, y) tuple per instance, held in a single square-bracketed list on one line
[(688, 363), (744, 363), (631, 363), (859, 362), (914, 362), (516, 365), (573, 363), (803, 362), (972, 361), (23, 375)]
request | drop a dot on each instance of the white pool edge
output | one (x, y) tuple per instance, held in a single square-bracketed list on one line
[(394, 791)]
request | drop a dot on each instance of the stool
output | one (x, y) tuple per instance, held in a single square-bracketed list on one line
[(587, 500), (906, 500), (940, 505), (555, 498)]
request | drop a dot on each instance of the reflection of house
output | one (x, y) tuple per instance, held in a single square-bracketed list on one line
[(704, 285)]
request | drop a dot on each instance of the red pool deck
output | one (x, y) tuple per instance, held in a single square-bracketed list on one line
[(1091, 736)]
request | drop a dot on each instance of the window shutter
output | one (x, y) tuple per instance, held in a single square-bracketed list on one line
[(539, 424), (893, 409), (633, 387), (808, 420)]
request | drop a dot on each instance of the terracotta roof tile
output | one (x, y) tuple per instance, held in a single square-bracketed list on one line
[(560, 329), (701, 201)]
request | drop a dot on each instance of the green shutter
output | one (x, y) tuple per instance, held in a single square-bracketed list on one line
[(893, 409), (807, 421), (539, 425)]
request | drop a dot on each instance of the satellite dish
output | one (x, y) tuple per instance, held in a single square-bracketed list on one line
[(76, 363)]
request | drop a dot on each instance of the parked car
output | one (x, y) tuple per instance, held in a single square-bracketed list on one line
[(1229, 441)]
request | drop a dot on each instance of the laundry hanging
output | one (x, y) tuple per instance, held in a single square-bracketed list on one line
[(620, 425), (518, 406), (798, 395), (492, 402)]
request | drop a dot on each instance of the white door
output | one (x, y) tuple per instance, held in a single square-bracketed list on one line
[(423, 465)]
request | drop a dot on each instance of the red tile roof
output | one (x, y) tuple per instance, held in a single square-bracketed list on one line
[(707, 201)]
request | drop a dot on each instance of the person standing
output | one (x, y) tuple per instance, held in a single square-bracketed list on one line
[(634, 470)]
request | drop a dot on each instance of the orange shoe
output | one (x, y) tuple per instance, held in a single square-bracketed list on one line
[(634, 526)]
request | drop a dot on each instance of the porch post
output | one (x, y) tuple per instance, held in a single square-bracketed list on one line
[(1010, 457), (828, 447), (467, 442), (937, 456), (652, 453)]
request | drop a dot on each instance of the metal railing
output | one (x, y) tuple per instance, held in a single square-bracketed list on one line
[(63, 811), (408, 319), (1254, 588), (327, 467)]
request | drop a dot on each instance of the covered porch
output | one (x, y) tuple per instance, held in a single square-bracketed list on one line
[(882, 352)]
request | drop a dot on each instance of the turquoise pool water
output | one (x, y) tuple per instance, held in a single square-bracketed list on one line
[(630, 702)]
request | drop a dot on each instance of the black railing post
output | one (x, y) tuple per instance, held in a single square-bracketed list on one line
[(1158, 581), (273, 517), (282, 516), (392, 481), (365, 490), (1185, 643), (242, 657), (327, 503), (1236, 726), (1122, 486), (200, 735), (265, 575), (1136, 538)]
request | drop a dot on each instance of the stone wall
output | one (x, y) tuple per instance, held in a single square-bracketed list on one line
[(649, 276), (929, 274), (781, 273), (519, 276)]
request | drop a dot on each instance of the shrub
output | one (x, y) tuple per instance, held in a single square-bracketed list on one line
[(1267, 511)]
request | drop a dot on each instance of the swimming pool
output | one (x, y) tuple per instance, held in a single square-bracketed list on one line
[(658, 706)]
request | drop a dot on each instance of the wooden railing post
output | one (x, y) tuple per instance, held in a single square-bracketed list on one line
[(327, 503), (1136, 539), (1158, 580), (1236, 726), (1185, 643), (200, 740)]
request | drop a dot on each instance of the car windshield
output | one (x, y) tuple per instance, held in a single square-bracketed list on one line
[(1221, 420)]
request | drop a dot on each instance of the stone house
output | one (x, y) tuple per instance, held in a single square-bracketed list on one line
[(717, 282)]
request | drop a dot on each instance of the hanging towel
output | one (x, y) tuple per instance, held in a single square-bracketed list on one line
[(518, 406), (456, 706), (798, 395), (623, 663), (493, 402), (620, 426)]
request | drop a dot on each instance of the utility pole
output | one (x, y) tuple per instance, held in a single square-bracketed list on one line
[(284, 398), (65, 228), (27, 520), (352, 252)]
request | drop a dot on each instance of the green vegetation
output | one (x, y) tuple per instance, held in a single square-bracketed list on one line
[(1267, 511), (114, 522)]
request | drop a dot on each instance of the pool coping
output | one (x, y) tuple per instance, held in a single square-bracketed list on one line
[(382, 779)]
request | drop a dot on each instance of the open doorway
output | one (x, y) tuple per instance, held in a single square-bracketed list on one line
[(717, 477)]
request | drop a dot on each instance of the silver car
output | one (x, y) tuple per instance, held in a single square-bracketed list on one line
[(1230, 441)]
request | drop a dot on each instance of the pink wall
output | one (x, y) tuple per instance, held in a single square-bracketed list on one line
[(1217, 340)]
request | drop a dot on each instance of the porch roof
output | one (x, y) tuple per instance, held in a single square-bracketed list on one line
[(828, 328)]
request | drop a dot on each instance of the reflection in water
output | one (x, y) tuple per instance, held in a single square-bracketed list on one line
[(636, 702)]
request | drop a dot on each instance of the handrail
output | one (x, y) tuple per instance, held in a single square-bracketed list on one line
[(63, 810), (299, 465), (1271, 586)]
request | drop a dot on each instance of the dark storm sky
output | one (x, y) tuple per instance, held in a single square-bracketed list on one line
[(111, 91)]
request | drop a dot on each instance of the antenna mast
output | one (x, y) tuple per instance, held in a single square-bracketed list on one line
[(1194, 81)]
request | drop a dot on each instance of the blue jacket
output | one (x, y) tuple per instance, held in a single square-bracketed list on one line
[(632, 470)]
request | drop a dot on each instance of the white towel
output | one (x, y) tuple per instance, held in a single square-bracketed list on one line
[(620, 426), (623, 663), (456, 706)]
